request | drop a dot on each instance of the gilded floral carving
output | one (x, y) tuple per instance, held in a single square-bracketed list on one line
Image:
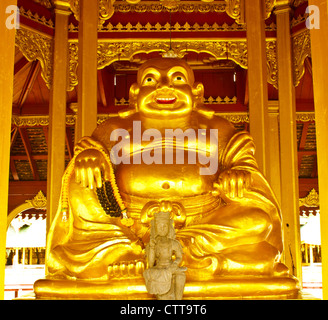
[(271, 49), (106, 8), (311, 200), (39, 201), (36, 46), (301, 49)]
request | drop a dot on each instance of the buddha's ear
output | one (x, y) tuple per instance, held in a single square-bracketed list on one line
[(133, 95), (198, 93)]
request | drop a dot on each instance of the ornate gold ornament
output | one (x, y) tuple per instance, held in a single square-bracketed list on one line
[(170, 4), (235, 50), (36, 121), (305, 116), (32, 121), (311, 200), (181, 6), (271, 50), (39, 46), (36, 46), (301, 43), (235, 9), (72, 65), (39, 201), (46, 3), (106, 8), (268, 7)]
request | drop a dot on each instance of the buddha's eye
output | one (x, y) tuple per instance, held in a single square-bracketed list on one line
[(149, 81), (179, 79)]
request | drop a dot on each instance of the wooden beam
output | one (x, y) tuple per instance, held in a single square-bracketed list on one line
[(13, 137), (258, 83), (28, 149), (304, 135), (101, 88), (69, 143), (288, 143), (27, 187), (87, 71), (307, 152), (20, 64), (29, 82), (13, 169), (308, 64)]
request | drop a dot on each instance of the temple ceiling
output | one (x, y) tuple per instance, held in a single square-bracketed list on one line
[(210, 35)]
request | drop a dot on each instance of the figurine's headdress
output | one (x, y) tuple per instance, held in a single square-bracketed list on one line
[(160, 216)]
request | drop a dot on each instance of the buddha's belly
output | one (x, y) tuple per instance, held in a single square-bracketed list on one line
[(163, 181)]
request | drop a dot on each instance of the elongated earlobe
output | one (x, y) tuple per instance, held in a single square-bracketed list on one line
[(198, 93), (133, 95)]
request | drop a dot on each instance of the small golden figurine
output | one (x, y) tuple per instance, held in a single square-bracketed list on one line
[(164, 277)]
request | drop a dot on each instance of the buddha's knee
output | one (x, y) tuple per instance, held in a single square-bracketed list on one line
[(243, 220), (257, 222)]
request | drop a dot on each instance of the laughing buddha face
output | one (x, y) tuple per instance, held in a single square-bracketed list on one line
[(166, 88)]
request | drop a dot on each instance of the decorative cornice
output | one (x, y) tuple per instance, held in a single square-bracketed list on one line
[(305, 116), (35, 17), (175, 28), (235, 117), (157, 6), (35, 45), (37, 121)]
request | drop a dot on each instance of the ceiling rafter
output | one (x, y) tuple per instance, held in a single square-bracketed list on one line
[(29, 82), (302, 143), (20, 64), (14, 169)]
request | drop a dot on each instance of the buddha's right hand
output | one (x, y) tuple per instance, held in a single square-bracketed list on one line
[(90, 168)]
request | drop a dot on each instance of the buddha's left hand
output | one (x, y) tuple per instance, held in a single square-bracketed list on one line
[(233, 183)]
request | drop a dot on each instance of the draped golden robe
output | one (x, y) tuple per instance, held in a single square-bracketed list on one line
[(219, 235)]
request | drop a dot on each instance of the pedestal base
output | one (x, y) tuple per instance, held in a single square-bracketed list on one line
[(134, 289)]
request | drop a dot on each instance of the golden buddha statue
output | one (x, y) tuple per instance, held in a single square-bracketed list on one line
[(166, 153)]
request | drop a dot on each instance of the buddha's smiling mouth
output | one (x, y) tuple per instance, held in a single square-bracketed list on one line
[(166, 100)]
